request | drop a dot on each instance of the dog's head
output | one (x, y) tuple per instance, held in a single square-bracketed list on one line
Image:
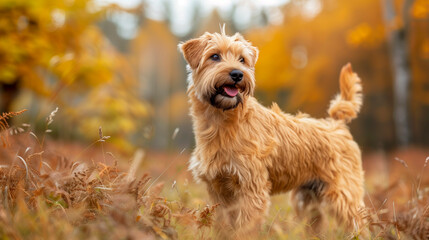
[(222, 68)]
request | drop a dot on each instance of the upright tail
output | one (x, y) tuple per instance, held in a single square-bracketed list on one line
[(346, 105)]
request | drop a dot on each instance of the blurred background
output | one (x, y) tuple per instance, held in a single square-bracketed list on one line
[(115, 64)]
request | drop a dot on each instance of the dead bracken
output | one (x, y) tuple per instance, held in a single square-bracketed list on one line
[(45, 196), (40, 192)]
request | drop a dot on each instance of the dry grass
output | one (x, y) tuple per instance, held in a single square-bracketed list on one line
[(44, 196), (77, 196)]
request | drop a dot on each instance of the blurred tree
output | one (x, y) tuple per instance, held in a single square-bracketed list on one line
[(419, 63), (213, 23), (387, 41), (42, 47), (115, 105), (55, 49), (155, 59), (300, 61), (397, 20)]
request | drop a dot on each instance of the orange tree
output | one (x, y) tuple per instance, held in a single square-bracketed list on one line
[(55, 49), (300, 60), (42, 46)]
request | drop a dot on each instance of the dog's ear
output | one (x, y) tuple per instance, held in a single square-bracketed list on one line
[(193, 50), (238, 37), (254, 52)]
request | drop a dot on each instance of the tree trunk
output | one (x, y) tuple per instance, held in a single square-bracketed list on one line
[(8, 93), (399, 54)]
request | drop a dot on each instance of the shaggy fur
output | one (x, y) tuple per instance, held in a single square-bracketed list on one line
[(246, 152)]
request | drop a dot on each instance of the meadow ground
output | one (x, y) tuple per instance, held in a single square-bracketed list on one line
[(60, 190)]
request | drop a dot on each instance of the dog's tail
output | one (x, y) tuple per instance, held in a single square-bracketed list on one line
[(346, 105)]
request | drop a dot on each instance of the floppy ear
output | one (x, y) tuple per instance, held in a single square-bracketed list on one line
[(193, 50)]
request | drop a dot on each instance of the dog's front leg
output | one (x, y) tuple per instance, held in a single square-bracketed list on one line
[(242, 212)]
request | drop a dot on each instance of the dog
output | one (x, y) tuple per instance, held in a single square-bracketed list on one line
[(246, 152)]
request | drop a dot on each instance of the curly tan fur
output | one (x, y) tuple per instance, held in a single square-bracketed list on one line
[(246, 152)]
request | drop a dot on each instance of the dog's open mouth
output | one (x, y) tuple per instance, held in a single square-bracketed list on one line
[(229, 91), (227, 96)]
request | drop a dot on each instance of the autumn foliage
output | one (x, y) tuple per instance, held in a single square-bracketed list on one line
[(62, 176), (300, 58)]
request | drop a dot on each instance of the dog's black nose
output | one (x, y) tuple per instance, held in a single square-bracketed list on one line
[(236, 75)]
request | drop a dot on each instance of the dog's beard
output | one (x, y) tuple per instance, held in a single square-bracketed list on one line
[(220, 100)]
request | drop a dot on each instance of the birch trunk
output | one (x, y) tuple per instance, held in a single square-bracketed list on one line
[(399, 54)]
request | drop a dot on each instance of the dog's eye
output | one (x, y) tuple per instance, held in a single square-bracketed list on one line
[(242, 59), (215, 57)]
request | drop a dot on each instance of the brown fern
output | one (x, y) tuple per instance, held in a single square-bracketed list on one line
[(4, 125), (414, 223), (205, 218)]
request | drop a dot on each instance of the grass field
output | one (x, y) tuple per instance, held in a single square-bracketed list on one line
[(59, 190)]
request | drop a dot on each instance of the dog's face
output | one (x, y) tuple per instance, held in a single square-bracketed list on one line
[(222, 68)]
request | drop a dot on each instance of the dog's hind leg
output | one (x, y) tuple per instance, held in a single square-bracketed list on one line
[(307, 201), (347, 208)]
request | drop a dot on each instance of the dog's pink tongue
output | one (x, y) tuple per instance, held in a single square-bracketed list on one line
[(231, 91)]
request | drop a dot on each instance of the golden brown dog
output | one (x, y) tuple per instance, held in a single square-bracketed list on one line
[(245, 152)]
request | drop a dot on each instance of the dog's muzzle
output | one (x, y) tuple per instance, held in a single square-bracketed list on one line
[(226, 97)]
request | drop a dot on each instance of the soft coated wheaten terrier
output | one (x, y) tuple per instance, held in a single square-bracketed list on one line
[(245, 152)]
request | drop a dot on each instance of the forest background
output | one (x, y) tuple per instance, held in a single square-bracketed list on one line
[(113, 68)]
